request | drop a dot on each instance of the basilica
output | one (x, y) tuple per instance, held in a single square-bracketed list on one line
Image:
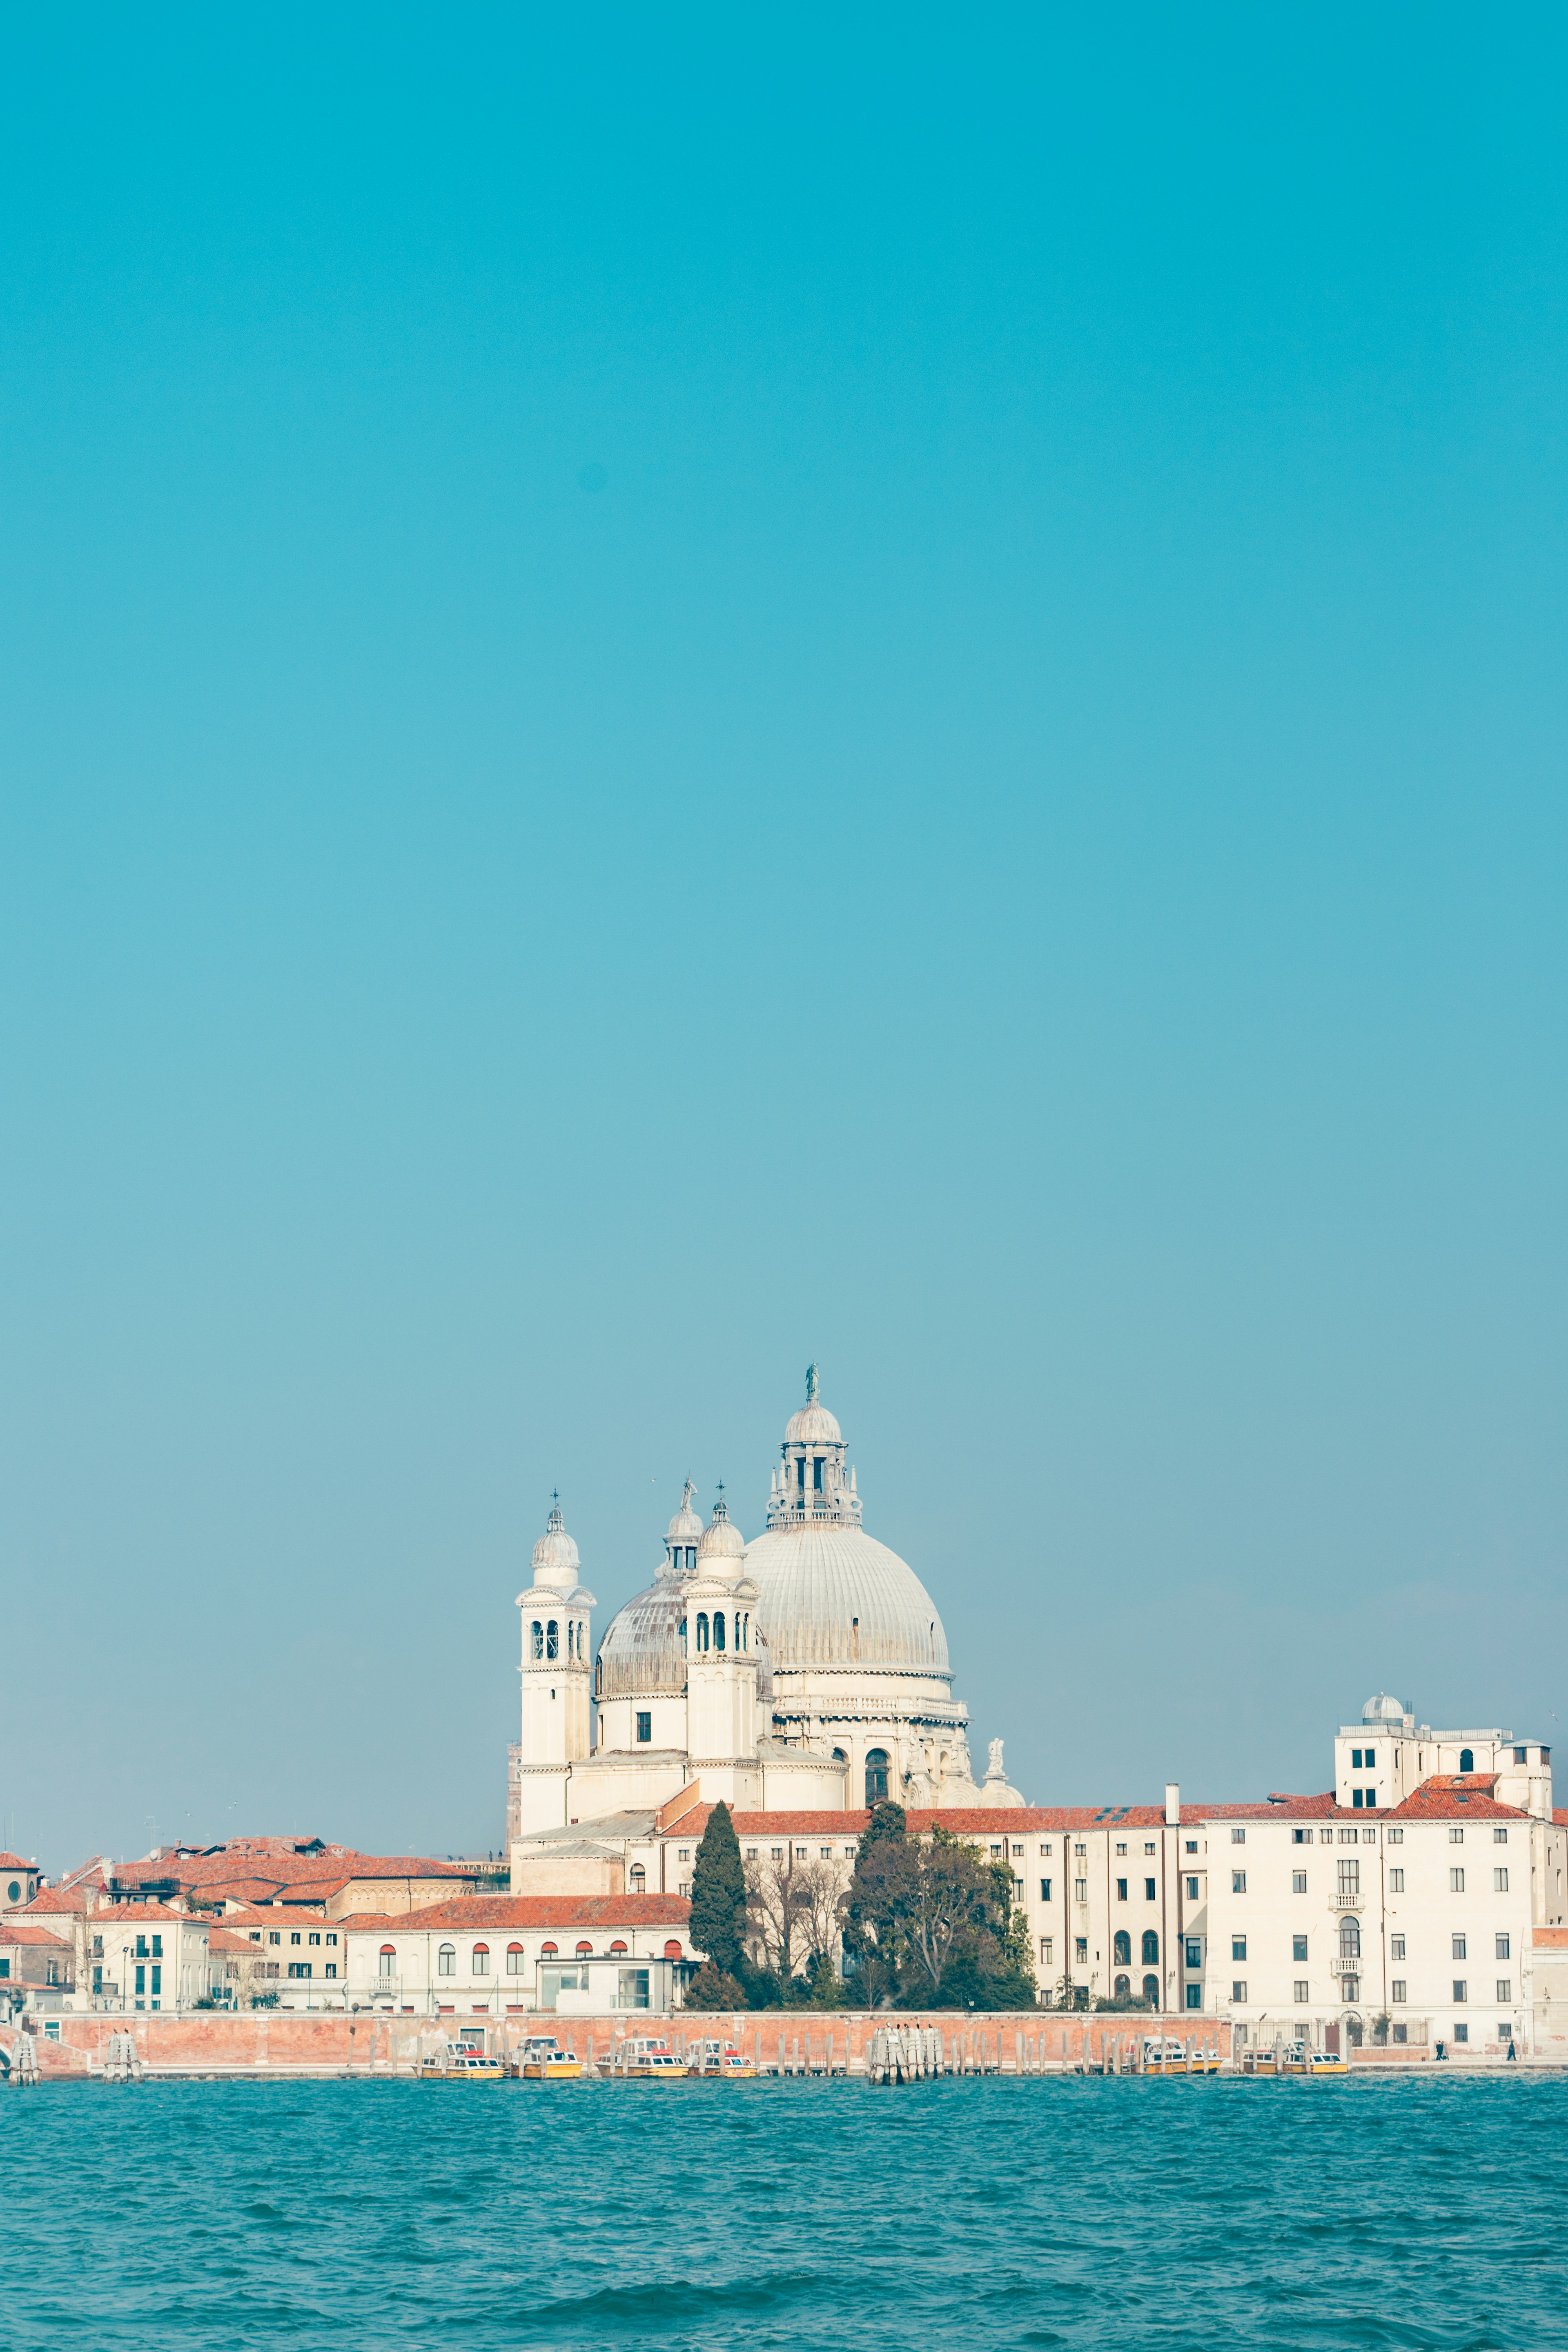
[(805, 1670)]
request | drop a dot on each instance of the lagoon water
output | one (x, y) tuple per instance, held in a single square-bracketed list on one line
[(1424, 2211)]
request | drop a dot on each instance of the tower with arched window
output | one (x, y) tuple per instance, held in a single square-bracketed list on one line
[(722, 1656), (556, 1673)]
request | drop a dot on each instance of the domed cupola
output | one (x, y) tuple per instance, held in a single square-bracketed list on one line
[(722, 1540), (556, 1566), (1381, 1708), (681, 1539), (812, 1485)]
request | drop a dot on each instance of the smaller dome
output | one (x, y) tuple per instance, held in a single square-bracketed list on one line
[(721, 1538), (555, 1558), (1383, 1709), (686, 1528), (813, 1425)]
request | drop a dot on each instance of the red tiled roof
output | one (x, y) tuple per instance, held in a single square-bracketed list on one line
[(58, 1899), (132, 1914), (15, 1930), (1455, 1797), (223, 1939), (14, 1862), (1550, 1939), (530, 1911)]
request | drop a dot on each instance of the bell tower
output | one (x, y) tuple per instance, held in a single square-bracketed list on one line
[(556, 1676)]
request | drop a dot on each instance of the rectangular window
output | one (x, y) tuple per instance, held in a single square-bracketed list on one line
[(1396, 1989), (1192, 1890), (1504, 1991), (645, 1726), (1369, 1759), (1355, 1799), (140, 1979), (273, 1937), (825, 1852), (1045, 1951), (1396, 1947), (1192, 1846), (1148, 1890), (315, 1939), (1499, 1881), (1355, 1760), (1239, 1990), (1297, 1881), (1350, 1987), (1461, 2033), (295, 1936), (332, 1968), (1369, 1837), (1238, 1882), (332, 1939), (1044, 1890), (1394, 1837), (1194, 1996), (1503, 1952), (1018, 1853), (1238, 1837), (1045, 1847), (1194, 1954), (1080, 1889), (1121, 1849), (1456, 1837), (1347, 1837), (1521, 1755), (1396, 1882), (1298, 1947), (1148, 1848), (1400, 2033), (157, 1977), (1459, 1951), (1082, 1947), (157, 1947), (1080, 1850), (1455, 1882), (1349, 1877), (1303, 1992), (1239, 1948), (1121, 1890), (1300, 1837), (1458, 1989), (1500, 1837)]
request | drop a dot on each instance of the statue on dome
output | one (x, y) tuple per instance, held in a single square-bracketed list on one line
[(812, 1384)]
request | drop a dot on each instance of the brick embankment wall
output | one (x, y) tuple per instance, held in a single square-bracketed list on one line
[(270, 2041)]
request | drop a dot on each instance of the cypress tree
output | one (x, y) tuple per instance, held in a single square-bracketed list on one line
[(718, 1893)]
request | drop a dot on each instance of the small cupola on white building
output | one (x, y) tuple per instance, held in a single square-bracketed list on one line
[(812, 1482), (556, 1673), (721, 1651)]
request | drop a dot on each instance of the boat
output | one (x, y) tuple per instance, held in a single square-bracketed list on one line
[(646, 2059), (460, 2061), (541, 2059), (1327, 2061), (1163, 2054), (719, 2062)]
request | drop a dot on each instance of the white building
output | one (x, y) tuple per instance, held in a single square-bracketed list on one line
[(805, 1670)]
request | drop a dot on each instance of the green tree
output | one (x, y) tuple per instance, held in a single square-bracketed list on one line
[(718, 1895), (711, 1989), (871, 1909)]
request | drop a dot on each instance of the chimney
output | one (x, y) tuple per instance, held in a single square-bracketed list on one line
[(1172, 1805)]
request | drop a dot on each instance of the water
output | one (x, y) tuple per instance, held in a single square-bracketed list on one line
[(1422, 2212)]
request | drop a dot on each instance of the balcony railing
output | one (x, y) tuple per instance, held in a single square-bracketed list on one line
[(1346, 1902)]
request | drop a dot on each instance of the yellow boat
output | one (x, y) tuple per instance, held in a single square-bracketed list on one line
[(720, 2062), (460, 2061), (645, 2060), (541, 2059), (1327, 2061), (1163, 2054)]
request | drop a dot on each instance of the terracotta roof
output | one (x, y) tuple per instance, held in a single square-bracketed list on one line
[(1550, 1939), (481, 1911), (60, 1899), (223, 1939), (15, 1930), (14, 1862), (132, 1914), (1456, 1797)]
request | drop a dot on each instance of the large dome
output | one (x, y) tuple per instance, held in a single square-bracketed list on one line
[(644, 1648), (830, 1594)]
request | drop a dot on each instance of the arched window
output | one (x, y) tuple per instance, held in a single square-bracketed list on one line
[(1122, 1989), (1467, 1759), (482, 1959), (839, 1757), (616, 1947), (672, 1950), (548, 1952), (1152, 1991), (701, 1629), (514, 1959), (1151, 1948), (446, 1960), (584, 1950), (388, 1959), (876, 1775), (553, 1640), (718, 1629), (1122, 1949), (1350, 1939), (743, 1637), (639, 1879), (536, 1639)]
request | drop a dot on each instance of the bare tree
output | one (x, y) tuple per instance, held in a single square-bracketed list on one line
[(821, 1890), (774, 1920)]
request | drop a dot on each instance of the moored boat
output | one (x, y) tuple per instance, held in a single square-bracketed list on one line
[(460, 2061), (541, 2059), (720, 2062), (647, 2060)]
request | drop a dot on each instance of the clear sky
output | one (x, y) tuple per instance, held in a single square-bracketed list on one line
[(682, 690)]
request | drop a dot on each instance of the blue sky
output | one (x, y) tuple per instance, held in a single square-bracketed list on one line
[(678, 695)]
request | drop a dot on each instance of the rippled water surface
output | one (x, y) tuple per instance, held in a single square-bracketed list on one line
[(1426, 2211)]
